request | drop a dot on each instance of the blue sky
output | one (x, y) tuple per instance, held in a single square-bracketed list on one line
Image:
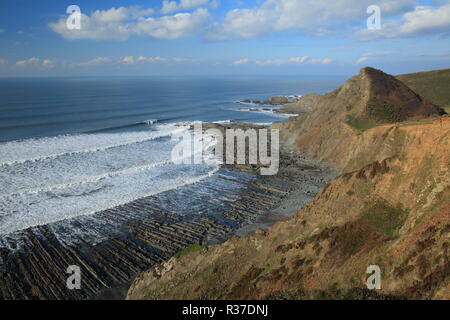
[(219, 37)]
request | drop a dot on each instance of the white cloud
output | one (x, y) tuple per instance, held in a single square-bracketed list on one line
[(95, 62), (3, 62), (37, 62), (320, 61), (426, 19), (2, 30), (121, 23), (173, 6), (159, 59), (270, 62), (241, 61), (95, 27), (172, 27), (361, 60), (128, 60), (422, 20), (169, 6), (293, 60), (311, 16), (153, 59), (47, 63), (298, 59), (120, 14), (376, 53), (366, 55), (22, 63)]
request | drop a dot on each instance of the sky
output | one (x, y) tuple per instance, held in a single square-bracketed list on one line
[(222, 37)]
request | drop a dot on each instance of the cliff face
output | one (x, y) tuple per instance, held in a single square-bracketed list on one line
[(334, 127), (390, 207), (303, 104)]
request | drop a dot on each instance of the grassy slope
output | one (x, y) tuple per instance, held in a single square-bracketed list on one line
[(433, 85)]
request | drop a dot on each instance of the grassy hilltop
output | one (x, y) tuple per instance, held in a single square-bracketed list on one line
[(433, 85)]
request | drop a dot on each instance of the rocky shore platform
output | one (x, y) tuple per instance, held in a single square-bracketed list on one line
[(113, 246)]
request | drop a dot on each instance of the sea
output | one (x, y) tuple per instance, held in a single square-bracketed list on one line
[(72, 147)]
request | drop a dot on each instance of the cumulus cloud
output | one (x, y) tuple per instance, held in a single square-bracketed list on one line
[(310, 16), (426, 19), (95, 62), (159, 59), (270, 62), (376, 53), (241, 61), (421, 20), (174, 6), (128, 60), (172, 27), (293, 60), (320, 61), (22, 63), (298, 59), (361, 60), (153, 59), (46, 63), (121, 23), (317, 18), (101, 25)]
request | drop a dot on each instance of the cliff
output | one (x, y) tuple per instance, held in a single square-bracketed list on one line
[(390, 207), (333, 130), (303, 104)]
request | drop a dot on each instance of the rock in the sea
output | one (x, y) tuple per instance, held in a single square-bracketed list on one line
[(277, 100)]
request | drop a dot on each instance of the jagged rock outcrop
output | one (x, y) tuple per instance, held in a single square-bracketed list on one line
[(304, 104), (279, 100)]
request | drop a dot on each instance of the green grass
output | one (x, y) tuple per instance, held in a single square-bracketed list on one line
[(386, 218), (191, 249), (432, 85), (359, 125), (382, 111)]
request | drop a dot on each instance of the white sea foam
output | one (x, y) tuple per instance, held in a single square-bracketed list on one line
[(51, 147), (223, 121), (267, 110), (65, 180)]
